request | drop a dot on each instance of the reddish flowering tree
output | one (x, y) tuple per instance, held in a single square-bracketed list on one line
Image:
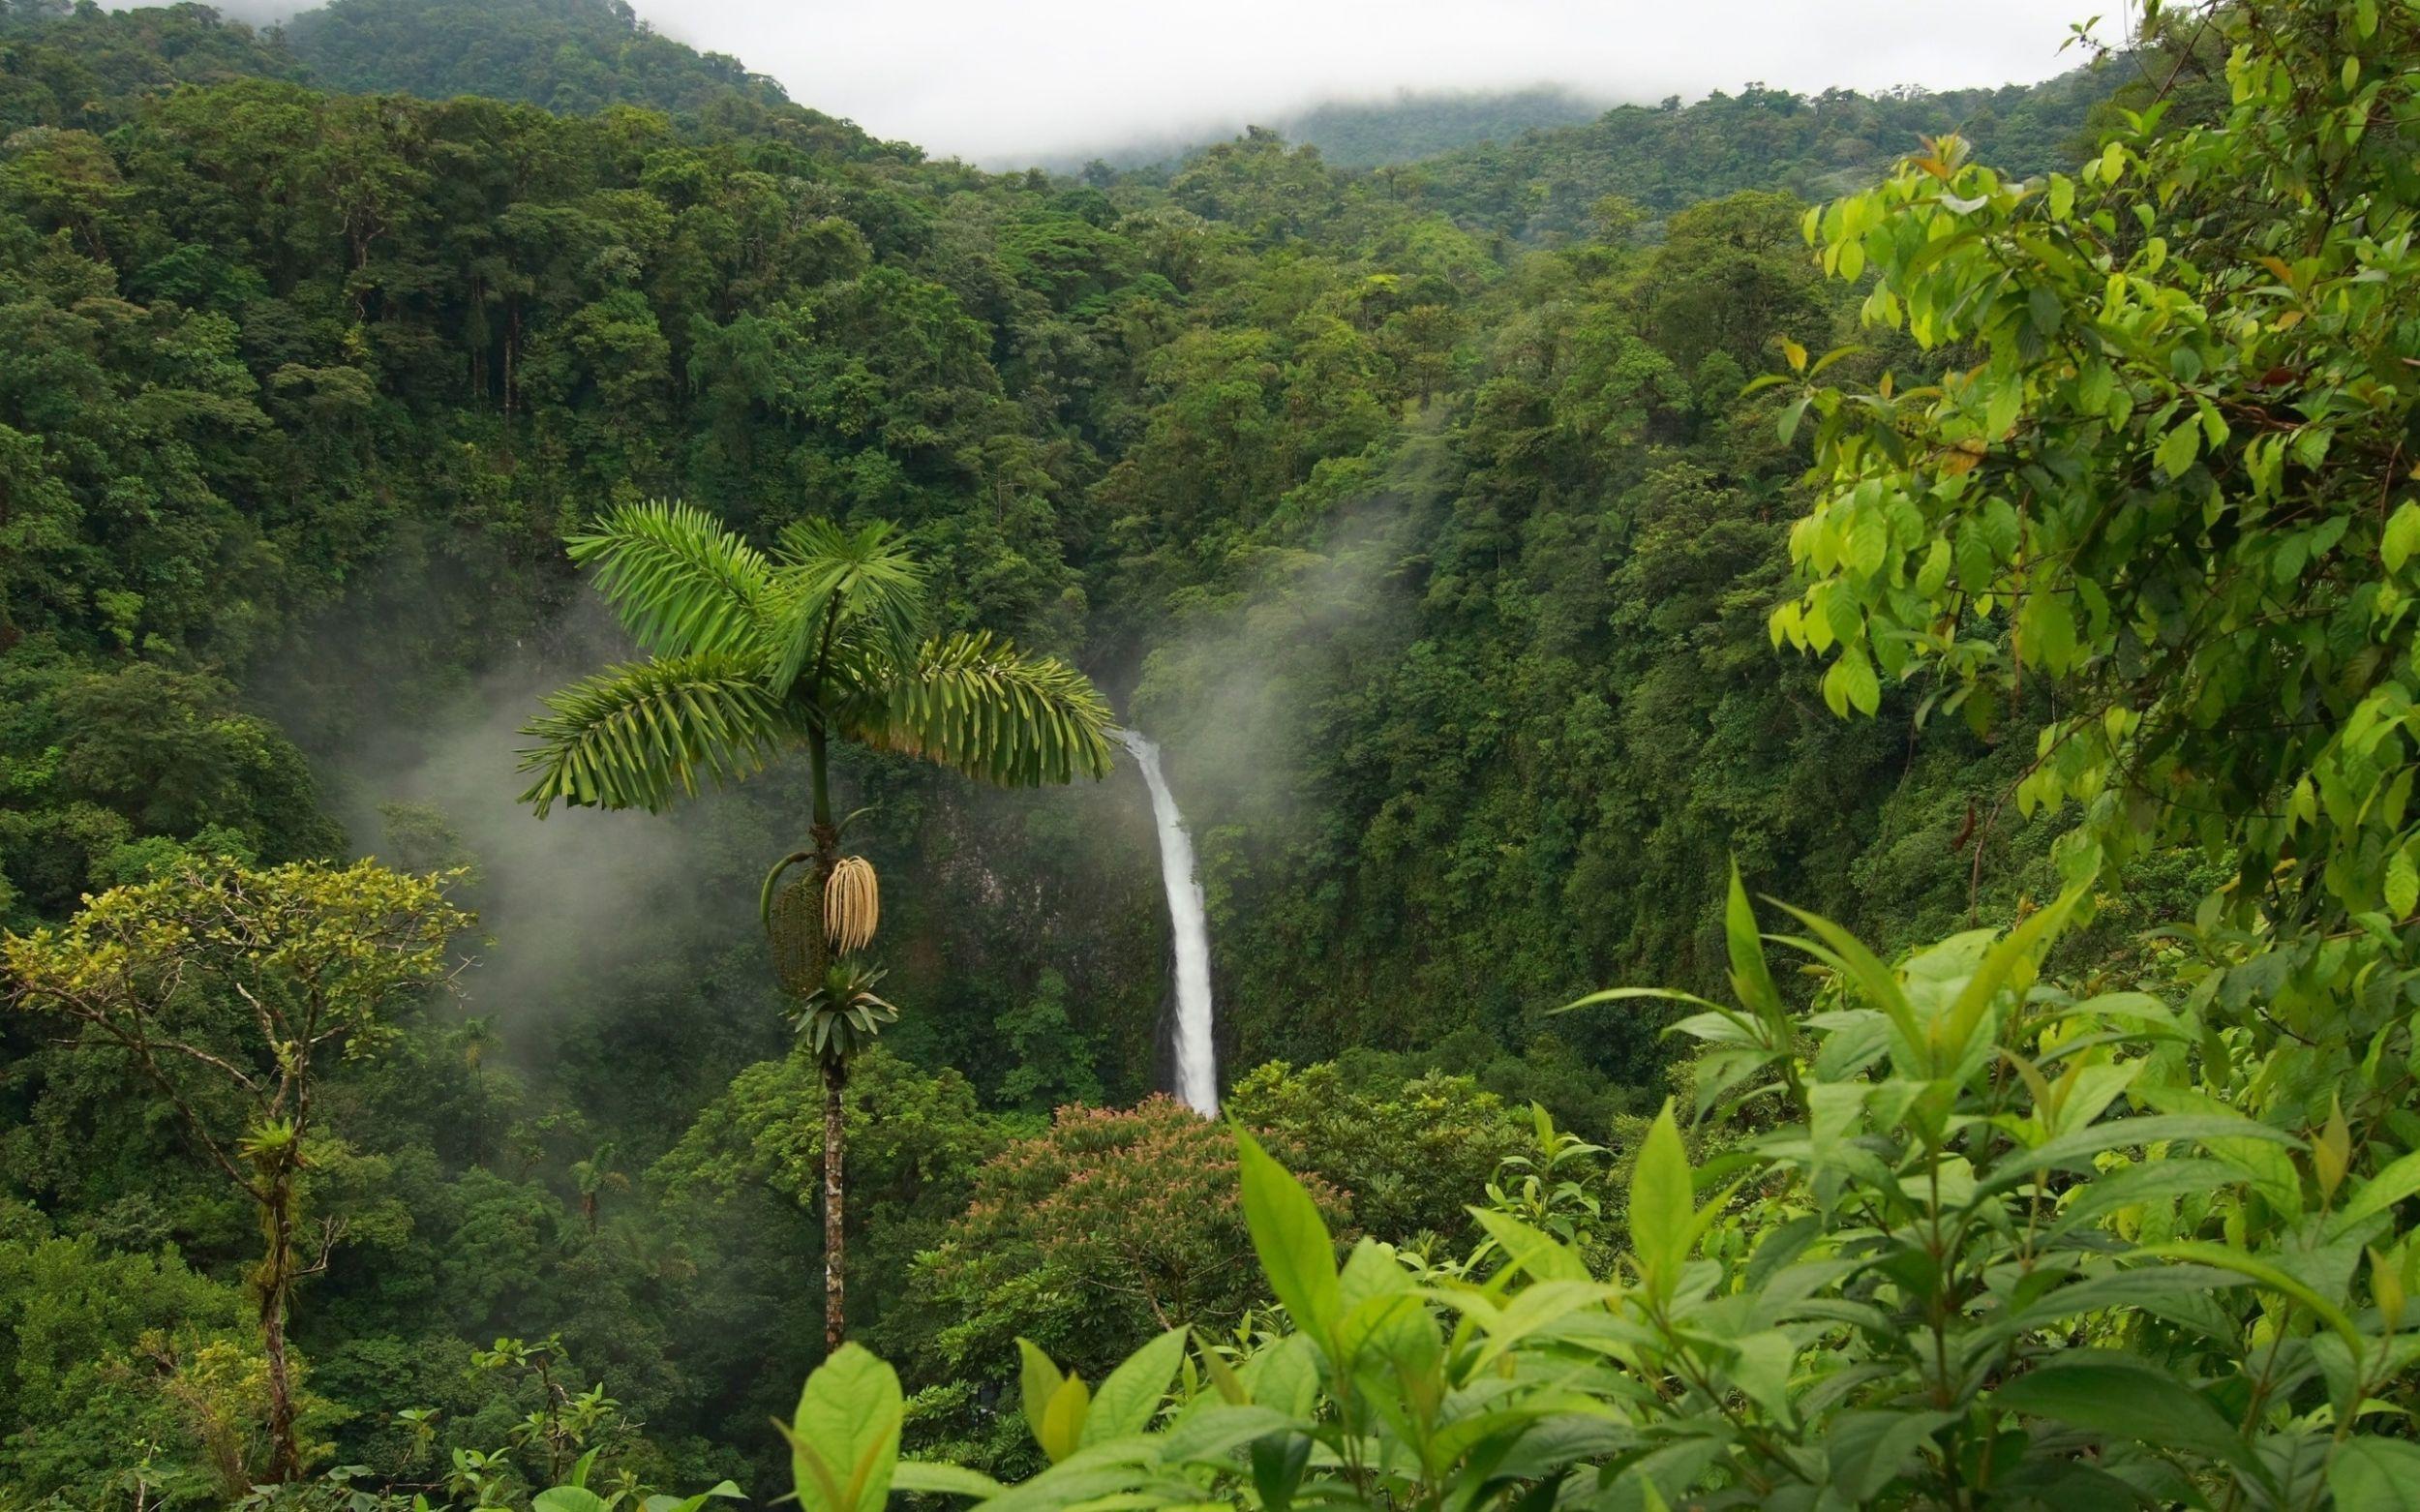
[(1110, 1226)]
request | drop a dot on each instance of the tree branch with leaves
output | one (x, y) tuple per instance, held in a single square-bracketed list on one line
[(233, 993)]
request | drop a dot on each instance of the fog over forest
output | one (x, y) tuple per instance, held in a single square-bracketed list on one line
[(1006, 84)]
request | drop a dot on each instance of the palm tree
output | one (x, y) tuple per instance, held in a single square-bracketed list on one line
[(753, 653), (593, 1177)]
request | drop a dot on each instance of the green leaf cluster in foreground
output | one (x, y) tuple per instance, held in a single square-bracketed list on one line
[(1952, 1252)]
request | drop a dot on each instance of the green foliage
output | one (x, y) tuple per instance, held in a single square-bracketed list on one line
[(1406, 1157), (232, 995), (568, 55), (845, 1439), (1107, 1229), (1551, 184), (840, 1017), (1423, 517), (85, 67), (1414, 126), (1959, 1268), (2168, 489), (824, 637), (2171, 484), (111, 1351)]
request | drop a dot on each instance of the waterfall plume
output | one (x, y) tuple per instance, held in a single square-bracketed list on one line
[(1197, 1059)]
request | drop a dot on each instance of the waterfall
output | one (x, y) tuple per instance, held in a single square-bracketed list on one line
[(1196, 1060)]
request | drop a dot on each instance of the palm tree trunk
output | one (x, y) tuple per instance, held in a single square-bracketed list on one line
[(835, 1321), (826, 839)]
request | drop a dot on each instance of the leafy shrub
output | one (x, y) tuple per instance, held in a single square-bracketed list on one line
[(2003, 1250)]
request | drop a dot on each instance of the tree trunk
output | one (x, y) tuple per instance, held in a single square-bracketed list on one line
[(835, 1323), (827, 836), (277, 1284)]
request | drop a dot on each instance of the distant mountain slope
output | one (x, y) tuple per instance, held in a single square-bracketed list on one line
[(1352, 133), (83, 67), (1371, 133), (568, 55), (1546, 184)]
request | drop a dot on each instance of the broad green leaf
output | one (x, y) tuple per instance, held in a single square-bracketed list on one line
[(946, 1480), (1213, 1433), (1867, 1450), (2133, 1287), (1541, 1254), (1786, 424), (1284, 1377), (2124, 1397), (2402, 884), (2370, 1474), (1999, 414), (2228, 1258), (2176, 453), (1278, 1463), (2399, 1180), (1845, 953), (1760, 1368), (720, 1490), (1289, 1236), (568, 1498), (2008, 965), (2400, 541), (1038, 1380), (1751, 979), (1061, 1429), (1132, 1394), (844, 1440), (2077, 1149), (2152, 1181), (1663, 1209), (1851, 683), (1870, 541)]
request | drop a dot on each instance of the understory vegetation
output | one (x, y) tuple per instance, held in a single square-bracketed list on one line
[(1799, 715)]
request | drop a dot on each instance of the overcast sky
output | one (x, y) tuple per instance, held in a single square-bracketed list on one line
[(1000, 80)]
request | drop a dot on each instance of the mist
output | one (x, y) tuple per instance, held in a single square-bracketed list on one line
[(1238, 697), (635, 929), (252, 13), (1007, 85)]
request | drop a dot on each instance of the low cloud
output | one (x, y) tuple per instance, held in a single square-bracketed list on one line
[(1005, 85)]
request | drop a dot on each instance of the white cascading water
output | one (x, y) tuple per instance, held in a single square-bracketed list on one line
[(1197, 1059)]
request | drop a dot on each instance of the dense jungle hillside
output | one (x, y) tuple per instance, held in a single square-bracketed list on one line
[(1488, 540)]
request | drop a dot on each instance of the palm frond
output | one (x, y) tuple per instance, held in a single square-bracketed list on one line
[(830, 576), (640, 735), (972, 702), (679, 582)]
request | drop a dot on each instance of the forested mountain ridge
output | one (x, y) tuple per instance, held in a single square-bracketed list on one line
[(1354, 134), (568, 55), (78, 64), (1548, 183), (1530, 163), (1366, 133), (1445, 566), (85, 67)]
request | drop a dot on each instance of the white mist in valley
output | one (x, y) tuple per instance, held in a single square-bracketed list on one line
[(1196, 1058)]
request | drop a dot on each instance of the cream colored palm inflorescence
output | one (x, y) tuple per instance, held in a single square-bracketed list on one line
[(852, 905)]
